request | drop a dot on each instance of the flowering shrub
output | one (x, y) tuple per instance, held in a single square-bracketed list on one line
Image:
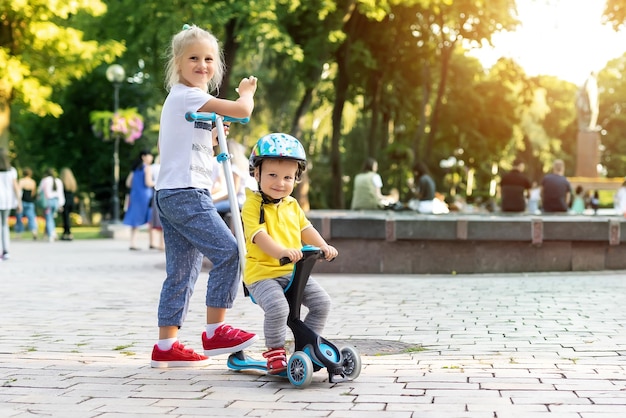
[(126, 123)]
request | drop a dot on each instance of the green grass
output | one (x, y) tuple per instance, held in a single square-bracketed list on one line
[(79, 233), (83, 232)]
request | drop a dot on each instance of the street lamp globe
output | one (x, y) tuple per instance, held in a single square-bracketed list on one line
[(115, 73)]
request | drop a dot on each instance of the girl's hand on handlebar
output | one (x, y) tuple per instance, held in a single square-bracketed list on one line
[(329, 251), (293, 254)]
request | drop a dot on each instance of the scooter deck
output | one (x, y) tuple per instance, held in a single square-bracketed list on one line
[(241, 361)]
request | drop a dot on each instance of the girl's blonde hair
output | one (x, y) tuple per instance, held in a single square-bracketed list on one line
[(180, 41), (68, 180)]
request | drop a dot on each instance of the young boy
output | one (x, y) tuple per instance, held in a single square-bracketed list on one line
[(275, 227)]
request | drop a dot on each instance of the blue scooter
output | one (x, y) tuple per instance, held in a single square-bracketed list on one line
[(312, 352)]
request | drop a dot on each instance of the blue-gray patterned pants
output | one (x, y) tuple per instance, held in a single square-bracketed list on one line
[(193, 228)]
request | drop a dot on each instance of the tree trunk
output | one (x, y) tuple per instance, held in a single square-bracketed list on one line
[(301, 193), (373, 145), (341, 93), (231, 46), (446, 54), (5, 120), (421, 128)]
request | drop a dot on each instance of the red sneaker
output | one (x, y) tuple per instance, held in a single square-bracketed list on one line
[(177, 356), (276, 360), (227, 340)]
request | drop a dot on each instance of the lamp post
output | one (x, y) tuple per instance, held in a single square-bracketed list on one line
[(116, 75)]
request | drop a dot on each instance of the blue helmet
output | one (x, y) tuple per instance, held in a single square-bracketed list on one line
[(278, 146)]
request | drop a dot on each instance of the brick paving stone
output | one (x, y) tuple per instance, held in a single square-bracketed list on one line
[(79, 323)]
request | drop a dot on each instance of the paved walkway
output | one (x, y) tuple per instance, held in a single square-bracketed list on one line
[(78, 324)]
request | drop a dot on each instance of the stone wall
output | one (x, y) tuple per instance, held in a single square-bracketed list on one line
[(406, 242)]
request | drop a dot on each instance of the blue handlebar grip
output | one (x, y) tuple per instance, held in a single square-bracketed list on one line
[(193, 116), (243, 121)]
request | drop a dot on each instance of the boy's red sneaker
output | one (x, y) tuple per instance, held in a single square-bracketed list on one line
[(276, 360), (227, 340), (177, 356)]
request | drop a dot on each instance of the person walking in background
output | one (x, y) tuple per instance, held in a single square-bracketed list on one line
[(276, 226), (28, 186), (556, 190), (155, 228), (514, 188), (9, 199), (52, 189), (241, 179), (422, 186), (69, 190), (191, 225), (141, 185), (367, 188)]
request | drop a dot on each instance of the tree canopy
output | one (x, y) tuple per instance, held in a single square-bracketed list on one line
[(351, 78)]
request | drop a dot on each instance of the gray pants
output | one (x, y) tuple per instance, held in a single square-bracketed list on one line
[(270, 296)]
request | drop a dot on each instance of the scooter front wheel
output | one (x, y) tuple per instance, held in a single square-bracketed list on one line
[(300, 369), (351, 362)]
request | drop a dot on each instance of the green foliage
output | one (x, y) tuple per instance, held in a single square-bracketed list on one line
[(351, 78), (42, 49), (613, 116)]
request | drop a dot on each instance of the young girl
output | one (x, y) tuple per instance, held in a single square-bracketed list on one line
[(275, 227), (191, 225)]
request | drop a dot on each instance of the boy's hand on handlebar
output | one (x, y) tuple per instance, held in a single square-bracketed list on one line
[(293, 254), (329, 251)]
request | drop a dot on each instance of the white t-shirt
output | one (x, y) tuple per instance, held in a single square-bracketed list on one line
[(51, 191), (620, 200), (219, 176), (8, 199), (185, 148)]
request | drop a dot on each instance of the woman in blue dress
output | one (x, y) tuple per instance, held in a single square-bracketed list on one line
[(141, 185)]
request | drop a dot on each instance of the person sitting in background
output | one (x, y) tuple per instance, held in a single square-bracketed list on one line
[(578, 205), (620, 200), (514, 188), (556, 189), (534, 198), (367, 189), (422, 186), (594, 202)]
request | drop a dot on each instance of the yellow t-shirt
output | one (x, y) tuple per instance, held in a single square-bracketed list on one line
[(284, 222)]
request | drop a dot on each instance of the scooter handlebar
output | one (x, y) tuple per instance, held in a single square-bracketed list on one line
[(211, 116), (307, 251)]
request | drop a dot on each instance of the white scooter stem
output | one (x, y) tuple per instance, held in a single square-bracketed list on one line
[(232, 192)]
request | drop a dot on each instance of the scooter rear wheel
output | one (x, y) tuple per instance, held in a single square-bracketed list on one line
[(351, 362), (300, 369)]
